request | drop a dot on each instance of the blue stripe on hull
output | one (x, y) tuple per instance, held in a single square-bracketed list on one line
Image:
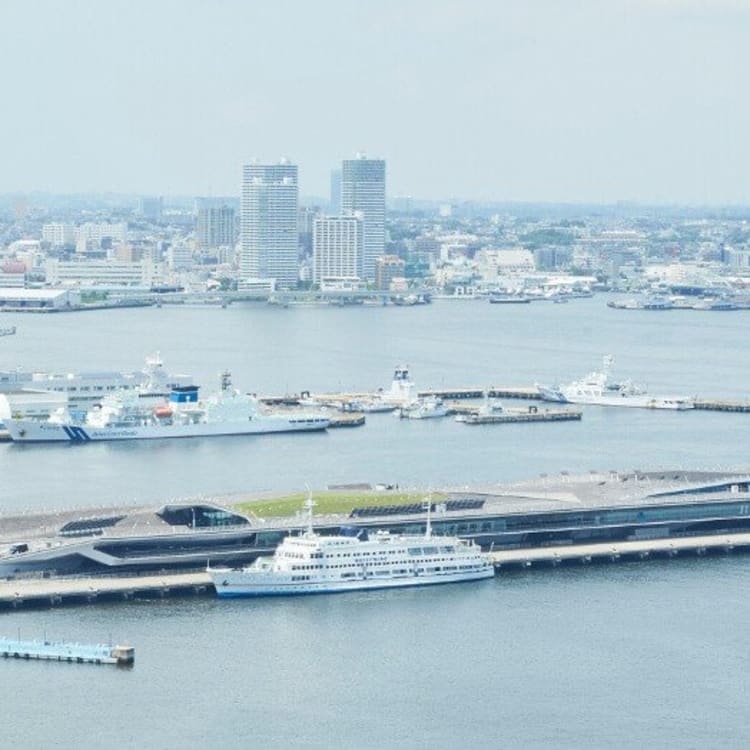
[(292, 592)]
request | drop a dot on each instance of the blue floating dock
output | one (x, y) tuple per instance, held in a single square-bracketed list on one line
[(79, 653)]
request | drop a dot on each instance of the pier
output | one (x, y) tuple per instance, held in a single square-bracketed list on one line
[(50, 592), (78, 653), (459, 394), (624, 550), (714, 405), (514, 416)]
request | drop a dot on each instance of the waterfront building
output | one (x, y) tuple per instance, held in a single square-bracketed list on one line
[(179, 256), (13, 274), (127, 253), (150, 207), (268, 222), (38, 299), (337, 247), (105, 272), (492, 263), (257, 286), (334, 206), (306, 216), (363, 191), (214, 227), (388, 268), (96, 233), (59, 234), (737, 260)]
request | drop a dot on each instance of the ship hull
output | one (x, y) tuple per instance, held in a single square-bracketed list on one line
[(633, 402), (236, 584), (30, 431)]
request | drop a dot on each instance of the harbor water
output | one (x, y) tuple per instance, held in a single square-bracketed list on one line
[(620, 655)]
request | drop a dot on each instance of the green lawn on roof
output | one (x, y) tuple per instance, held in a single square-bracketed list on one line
[(330, 502)]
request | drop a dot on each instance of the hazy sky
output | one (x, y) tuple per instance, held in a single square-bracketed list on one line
[(565, 101)]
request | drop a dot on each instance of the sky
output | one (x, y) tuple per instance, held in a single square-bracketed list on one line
[(528, 100)]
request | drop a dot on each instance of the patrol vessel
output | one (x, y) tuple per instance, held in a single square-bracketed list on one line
[(124, 417)]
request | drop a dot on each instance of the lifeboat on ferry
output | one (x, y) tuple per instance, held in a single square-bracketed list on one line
[(162, 412)]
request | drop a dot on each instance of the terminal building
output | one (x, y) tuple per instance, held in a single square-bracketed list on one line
[(609, 508), (38, 299)]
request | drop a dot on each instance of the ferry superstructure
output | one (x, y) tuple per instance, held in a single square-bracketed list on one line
[(37, 394), (126, 417), (402, 391), (595, 389), (314, 564)]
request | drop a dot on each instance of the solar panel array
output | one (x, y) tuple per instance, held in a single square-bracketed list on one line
[(415, 508), (88, 526), (387, 510), (465, 504)]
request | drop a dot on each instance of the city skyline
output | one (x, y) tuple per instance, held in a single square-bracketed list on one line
[(635, 101)]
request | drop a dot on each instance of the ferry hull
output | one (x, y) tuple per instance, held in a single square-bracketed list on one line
[(30, 431), (230, 585)]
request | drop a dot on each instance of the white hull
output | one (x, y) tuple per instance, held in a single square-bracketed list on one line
[(635, 402), (433, 414), (30, 431), (233, 584), (595, 390)]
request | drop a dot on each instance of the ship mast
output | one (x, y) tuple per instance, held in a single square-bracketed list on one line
[(428, 526), (309, 505)]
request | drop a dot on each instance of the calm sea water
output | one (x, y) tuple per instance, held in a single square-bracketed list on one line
[(623, 655)]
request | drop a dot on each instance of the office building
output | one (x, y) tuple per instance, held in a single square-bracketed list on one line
[(97, 233), (150, 207), (388, 268), (268, 223), (59, 234), (337, 247), (214, 227), (334, 206), (363, 191)]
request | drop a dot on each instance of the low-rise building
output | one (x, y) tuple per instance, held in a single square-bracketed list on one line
[(388, 268), (38, 299)]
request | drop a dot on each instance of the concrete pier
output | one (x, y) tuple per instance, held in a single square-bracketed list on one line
[(625, 550), (51, 592), (714, 405), (459, 394)]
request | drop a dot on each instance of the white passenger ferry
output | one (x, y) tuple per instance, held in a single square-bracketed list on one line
[(314, 564)]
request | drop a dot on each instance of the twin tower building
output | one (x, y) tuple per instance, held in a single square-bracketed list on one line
[(346, 245)]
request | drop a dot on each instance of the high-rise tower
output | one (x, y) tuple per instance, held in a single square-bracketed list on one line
[(214, 227), (268, 222), (337, 247), (363, 191)]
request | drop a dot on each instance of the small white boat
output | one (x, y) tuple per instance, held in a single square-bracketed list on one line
[(429, 407), (490, 407)]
